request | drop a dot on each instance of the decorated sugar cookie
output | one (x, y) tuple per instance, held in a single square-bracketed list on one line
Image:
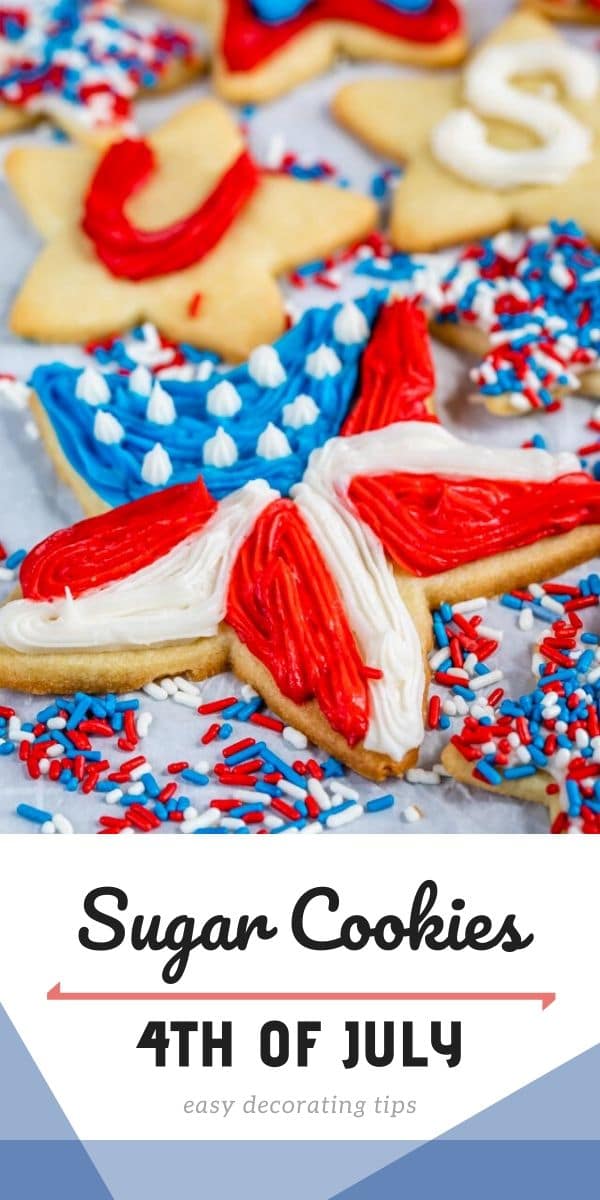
[(529, 302), (181, 228), (566, 10), (266, 47), (317, 510), (499, 145), (81, 62), (544, 745)]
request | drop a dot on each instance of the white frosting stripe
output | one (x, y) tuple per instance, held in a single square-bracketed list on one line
[(422, 447), (460, 142), (181, 595), (384, 630)]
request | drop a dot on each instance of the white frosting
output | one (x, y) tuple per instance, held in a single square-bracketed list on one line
[(322, 362), (350, 325), (180, 596), (426, 448), (273, 443), (92, 387), (223, 400), (107, 429), (160, 407), (460, 143), (383, 628), (301, 411), (266, 368), (220, 450), (141, 381), (157, 467)]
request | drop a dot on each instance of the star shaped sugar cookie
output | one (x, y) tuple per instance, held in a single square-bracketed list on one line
[(315, 511), (566, 10), (469, 173), (198, 248), (264, 48), (82, 63)]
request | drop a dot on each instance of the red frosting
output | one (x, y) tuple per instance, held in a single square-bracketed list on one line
[(286, 608), (397, 375), (247, 41), (132, 253), (103, 549), (429, 524)]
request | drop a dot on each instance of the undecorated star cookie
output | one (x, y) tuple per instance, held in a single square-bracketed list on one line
[(181, 228), (80, 63), (513, 141), (316, 511), (566, 10), (527, 303), (265, 47)]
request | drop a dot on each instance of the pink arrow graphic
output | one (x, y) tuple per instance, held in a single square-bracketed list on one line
[(544, 998)]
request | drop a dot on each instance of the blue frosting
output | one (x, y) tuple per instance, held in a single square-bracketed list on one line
[(114, 471), (274, 11)]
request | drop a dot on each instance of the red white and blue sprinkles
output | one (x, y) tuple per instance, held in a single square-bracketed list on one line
[(535, 296), (82, 60)]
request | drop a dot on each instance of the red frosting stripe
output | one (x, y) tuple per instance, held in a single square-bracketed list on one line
[(132, 253), (247, 41), (286, 608), (397, 374), (429, 523), (103, 549)]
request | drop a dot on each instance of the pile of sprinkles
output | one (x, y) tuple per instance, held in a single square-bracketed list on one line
[(535, 296), (145, 347), (82, 58), (554, 728), (260, 790)]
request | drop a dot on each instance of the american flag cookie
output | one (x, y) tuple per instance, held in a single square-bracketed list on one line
[(295, 519)]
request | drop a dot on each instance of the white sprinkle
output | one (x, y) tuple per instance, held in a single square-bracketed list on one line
[(168, 685), (190, 813), (438, 657), (552, 604), (44, 765), (313, 827), (488, 632), (248, 693), (56, 723), (295, 737), (186, 685), (412, 813), (341, 789), (143, 723), (272, 821), (48, 827), (467, 606), (210, 817), (143, 769), (136, 789), (202, 767), (525, 619), (318, 793), (185, 699), (292, 789), (418, 775), (230, 822), (155, 691), (449, 708), (345, 817), (113, 796), (62, 823), (481, 681), (275, 151)]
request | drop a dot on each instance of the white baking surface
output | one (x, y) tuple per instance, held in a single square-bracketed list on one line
[(33, 503)]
